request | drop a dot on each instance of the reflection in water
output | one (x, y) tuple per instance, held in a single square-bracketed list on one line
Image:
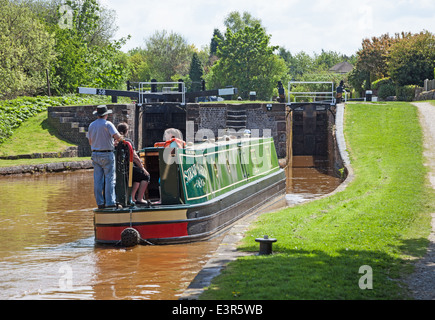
[(48, 249)]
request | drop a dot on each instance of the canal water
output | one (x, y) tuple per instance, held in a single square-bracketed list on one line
[(48, 249), (309, 179)]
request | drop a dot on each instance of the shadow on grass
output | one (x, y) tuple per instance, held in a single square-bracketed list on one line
[(317, 275)]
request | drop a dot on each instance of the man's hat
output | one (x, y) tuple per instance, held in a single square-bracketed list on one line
[(102, 111)]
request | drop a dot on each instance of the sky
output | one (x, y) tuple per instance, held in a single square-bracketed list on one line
[(297, 25)]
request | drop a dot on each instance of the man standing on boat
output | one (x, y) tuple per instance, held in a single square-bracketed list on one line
[(101, 135)]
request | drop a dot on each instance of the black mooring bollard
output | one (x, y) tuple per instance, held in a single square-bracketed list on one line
[(265, 245)]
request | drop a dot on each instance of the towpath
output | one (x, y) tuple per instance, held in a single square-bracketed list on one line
[(422, 281)]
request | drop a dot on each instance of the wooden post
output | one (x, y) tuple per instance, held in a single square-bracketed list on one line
[(289, 145), (48, 83)]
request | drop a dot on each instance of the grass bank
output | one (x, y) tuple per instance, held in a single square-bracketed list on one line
[(380, 220), (24, 128), (34, 136)]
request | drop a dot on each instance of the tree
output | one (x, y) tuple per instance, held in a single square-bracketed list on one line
[(26, 50), (138, 66), (167, 55), (412, 59), (373, 56), (69, 38), (86, 57), (236, 22), (217, 36), (359, 80), (195, 72), (107, 65), (92, 22), (70, 68), (248, 62), (327, 59)]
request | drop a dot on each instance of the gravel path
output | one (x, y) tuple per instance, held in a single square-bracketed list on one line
[(422, 281)]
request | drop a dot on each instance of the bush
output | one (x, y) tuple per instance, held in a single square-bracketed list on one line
[(385, 87), (386, 90), (406, 93), (376, 85)]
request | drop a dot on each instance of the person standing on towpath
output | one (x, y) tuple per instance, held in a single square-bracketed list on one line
[(101, 135)]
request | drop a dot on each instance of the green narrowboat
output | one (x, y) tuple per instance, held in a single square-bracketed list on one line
[(195, 192)]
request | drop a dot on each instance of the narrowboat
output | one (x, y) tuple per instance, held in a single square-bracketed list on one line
[(195, 191)]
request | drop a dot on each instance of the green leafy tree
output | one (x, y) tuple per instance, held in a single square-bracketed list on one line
[(69, 70), (248, 62), (373, 57), (298, 64), (138, 66), (26, 50), (69, 38), (107, 65), (167, 55), (359, 80), (92, 22), (412, 59), (86, 57), (236, 22)]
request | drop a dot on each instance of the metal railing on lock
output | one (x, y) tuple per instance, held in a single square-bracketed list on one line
[(314, 96), (176, 89)]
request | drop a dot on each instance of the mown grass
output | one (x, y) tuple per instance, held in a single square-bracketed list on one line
[(34, 136), (380, 220), (24, 128)]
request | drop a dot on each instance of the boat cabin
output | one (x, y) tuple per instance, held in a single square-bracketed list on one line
[(203, 171)]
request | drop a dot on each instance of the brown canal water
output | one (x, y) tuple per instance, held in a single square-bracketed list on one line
[(48, 252), (310, 179)]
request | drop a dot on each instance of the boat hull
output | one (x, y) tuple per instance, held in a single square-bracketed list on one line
[(170, 224)]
